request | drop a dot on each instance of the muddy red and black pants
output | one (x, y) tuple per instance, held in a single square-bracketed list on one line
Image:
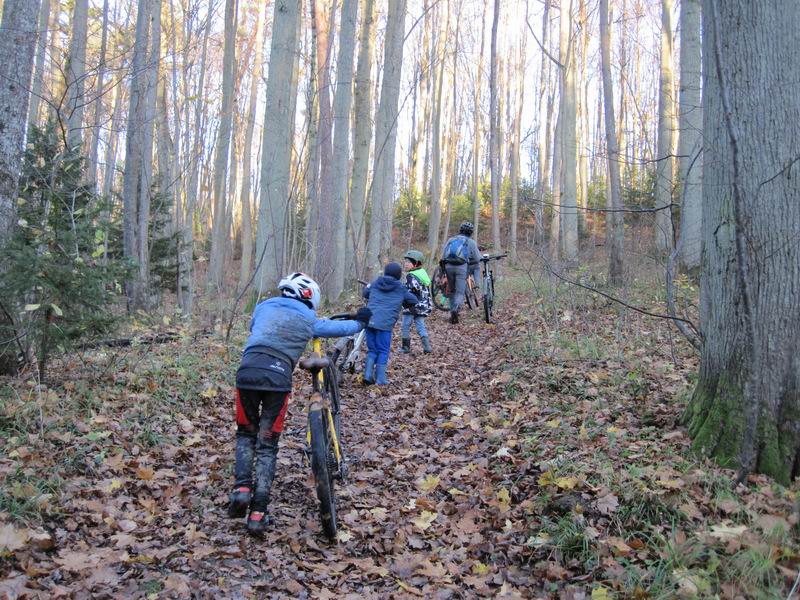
[(259, 417)]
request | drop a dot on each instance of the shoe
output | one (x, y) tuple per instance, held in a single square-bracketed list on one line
[(426, 344), (257, 523), (240, 500), (453, 317), (406, 345), (380, 371), (369, 367)]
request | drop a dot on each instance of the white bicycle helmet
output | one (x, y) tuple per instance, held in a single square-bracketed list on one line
[(302, 287)]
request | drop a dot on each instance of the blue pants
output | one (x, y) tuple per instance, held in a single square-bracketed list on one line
[(379, 344), (418, 321)]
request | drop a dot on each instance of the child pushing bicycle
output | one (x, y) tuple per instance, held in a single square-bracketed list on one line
[(418, 283), (279, 331)]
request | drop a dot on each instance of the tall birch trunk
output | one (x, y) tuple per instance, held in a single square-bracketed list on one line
[(277, 145), (246, 264), (494, 134), (76, 74), (476, 139), (542, 187), (436, 154), (382, 190), (664, 156), (614, 222), (91, 163), (690, 142), (312, 162), (569, 197), (39, 68), (341, 143), (219, 229), (362, 135), (745, 410)]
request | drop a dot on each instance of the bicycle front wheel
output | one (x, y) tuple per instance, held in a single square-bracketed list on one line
[(321, 468), (488, 299)]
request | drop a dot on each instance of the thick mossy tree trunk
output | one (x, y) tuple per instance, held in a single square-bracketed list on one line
[(749, 386)]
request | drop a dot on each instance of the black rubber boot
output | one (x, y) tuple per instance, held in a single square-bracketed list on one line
[(453, 317), (257, 523), (406, 345), (240, 500), (426, 344)]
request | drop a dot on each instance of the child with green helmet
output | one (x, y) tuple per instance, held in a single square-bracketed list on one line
[(418, 283)]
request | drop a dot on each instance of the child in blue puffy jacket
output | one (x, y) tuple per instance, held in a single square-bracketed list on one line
[(386, 295), (280, 329)]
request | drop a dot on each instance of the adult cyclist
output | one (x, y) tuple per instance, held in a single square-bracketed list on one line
[(460, 256)]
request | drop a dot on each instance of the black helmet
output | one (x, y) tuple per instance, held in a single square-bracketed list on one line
[(466, 228)]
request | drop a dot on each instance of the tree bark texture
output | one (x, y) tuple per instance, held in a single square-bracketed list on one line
[(17, 43), (750, 190), (434, 222), (41, 56), (543, 175), (690, 142), (277, 144), (664, 156), (76, 74), (569, 148), (382, 191), (494, 134)]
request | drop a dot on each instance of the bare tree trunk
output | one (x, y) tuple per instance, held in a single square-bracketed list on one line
[(312, 164), (614, 222), (745, 410), (219, 230), (76, 73), (690, 142), (362, 134), (569, 216), (515, 153), (341, 143), (41, 51), (382, 191), (476, 139), (246, 264), (91, 164), (494, 134), (435, 220), (542, 187), (664, 156), (277, 145), (555, 219)]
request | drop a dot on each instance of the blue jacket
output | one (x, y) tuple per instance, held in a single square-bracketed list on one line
[(286, 325), (386, 296)]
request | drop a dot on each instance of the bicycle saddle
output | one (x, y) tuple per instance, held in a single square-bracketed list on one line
[(314, 363)]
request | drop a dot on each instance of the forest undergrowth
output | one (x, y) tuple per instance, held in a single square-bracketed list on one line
[(539, 457)]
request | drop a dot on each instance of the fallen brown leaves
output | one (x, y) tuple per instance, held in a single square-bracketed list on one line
[(483, 470)]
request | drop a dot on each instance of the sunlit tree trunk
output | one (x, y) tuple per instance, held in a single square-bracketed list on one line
[(312, 159), (476, 137), (494, 134), (91, 164), (543, 175), (664, 156), (341, 143), (745, 411), (362, 134), (515, 154), (41, 57), (614, 222), (690, 142), (246, 265), (76, 73), (277, 144), (219, 229), (569, 193), (382, 192)]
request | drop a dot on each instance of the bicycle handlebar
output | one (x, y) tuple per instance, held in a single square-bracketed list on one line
[(487, 258), (343, 317)]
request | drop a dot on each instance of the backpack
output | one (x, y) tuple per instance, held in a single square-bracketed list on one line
[(456, 252)]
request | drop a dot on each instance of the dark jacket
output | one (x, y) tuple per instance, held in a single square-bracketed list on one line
[(386, 295), (418, 283)]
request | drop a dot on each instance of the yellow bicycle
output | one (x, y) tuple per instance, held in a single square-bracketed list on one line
[(323, 435)]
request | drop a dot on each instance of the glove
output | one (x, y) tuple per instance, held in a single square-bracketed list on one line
[(363, 315)]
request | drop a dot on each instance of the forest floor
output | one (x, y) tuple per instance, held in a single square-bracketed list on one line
[(538, 457)]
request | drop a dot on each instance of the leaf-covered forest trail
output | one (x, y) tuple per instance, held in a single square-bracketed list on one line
[(541, 457)]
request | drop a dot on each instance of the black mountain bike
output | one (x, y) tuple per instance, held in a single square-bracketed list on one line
[(439, 290), (488, 284)]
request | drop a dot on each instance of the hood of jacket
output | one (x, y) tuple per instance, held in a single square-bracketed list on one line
[(422, 275), (385, 283)]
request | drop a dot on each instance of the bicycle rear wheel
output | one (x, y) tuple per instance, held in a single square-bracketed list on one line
[(439, 289), (321, 468)]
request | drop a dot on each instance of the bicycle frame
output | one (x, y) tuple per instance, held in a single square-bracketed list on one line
[(319, 400)]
